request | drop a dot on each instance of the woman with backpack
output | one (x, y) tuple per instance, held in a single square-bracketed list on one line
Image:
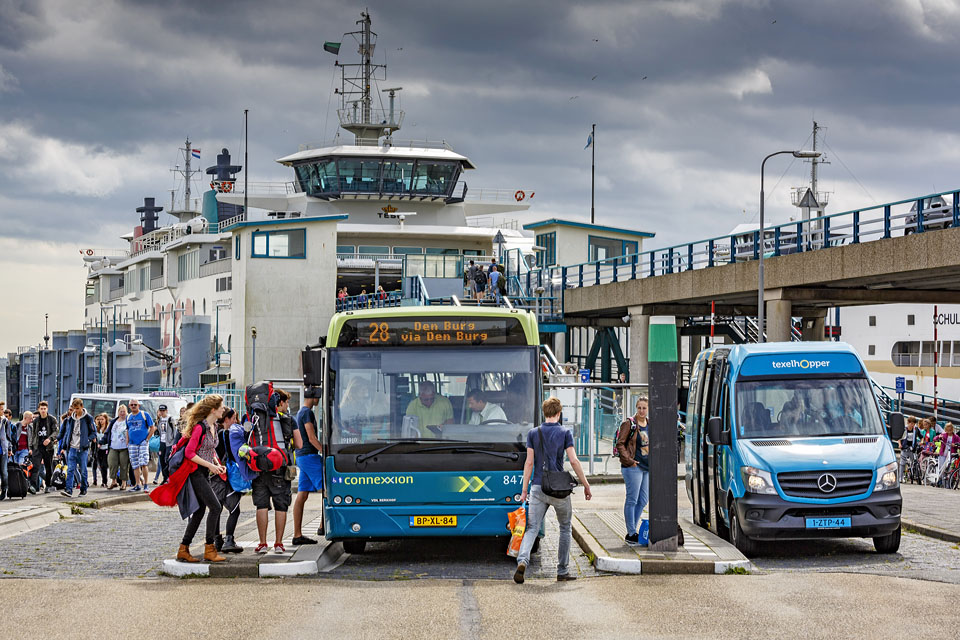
[(633, 448), (223, 486), (200, 432)]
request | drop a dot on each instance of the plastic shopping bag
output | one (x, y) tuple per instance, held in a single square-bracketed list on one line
[(644, 533), (518, 524)]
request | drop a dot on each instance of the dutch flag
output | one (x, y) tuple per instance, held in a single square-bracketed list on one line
[(195, 153)]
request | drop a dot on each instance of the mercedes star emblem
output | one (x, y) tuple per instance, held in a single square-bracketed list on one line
[(827, 483)]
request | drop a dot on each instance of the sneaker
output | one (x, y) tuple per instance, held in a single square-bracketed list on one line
[(146, 489), (279, 548), (32, 490), (46, 489), (633, 539), (68, 494), (518, 574), (299, 540), (83, 492), (132, 489), (261, 548), (565, 577)]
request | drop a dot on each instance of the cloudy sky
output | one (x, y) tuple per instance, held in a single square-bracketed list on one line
[(688, 96)]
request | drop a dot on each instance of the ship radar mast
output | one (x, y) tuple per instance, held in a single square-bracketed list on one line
[(357, 113)]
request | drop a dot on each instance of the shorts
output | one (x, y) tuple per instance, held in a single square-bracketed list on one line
[(271, 485), (311, 472), (139, 454)]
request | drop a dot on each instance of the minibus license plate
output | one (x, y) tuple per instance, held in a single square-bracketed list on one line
[(433, 521), (828, 523)]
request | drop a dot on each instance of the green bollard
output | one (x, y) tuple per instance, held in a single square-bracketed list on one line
[(662, 377)]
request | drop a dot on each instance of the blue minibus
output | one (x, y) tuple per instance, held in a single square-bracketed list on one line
[(786, 441)]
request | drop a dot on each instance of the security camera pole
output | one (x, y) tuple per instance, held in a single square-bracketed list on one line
[(662, 376)]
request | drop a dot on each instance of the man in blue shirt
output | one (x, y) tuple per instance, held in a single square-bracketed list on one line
[(553, 440), (140, 430), (309, 461)]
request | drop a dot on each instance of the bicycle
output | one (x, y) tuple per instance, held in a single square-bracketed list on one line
[(935, 475)]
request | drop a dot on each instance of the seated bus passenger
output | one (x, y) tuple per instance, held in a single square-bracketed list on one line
[(483, 411), (430, 409)]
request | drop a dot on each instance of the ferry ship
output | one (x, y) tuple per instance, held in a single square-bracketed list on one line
[(239, 280)]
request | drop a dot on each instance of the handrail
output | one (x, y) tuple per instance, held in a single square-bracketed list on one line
[(370, 301)]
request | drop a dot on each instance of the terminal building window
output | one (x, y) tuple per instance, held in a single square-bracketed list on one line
[(280, 244), (402, 251), (373, 249), (603, 248), (346, 248), (547, 257)]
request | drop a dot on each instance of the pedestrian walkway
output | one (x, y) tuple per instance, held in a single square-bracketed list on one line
[(932, 511), (599, 529)]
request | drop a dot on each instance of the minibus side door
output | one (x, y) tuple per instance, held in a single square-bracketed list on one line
[(698, 426), (712, 451), (705, 456)]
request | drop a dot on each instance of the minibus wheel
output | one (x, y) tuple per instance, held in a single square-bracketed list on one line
[(745, 545), (889, 543), (354, 546)]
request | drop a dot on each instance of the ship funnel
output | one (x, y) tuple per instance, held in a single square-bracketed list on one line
[(148, 215)]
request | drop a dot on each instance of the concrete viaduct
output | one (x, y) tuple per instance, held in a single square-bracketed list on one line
[(916, 268)]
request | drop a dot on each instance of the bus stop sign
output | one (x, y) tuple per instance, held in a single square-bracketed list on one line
[(584, 375), (901, 385)]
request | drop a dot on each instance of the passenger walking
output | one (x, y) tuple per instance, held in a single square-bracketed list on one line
[(272, 486), (77, 432), (6, 452), (201, 433), (43, 444), (118, 456), (140, 429), (909, 445), (228, 496), (309, 462), (545, 448), (480, 283), (102, 422), (494, 278), (168, 437), (471, 278), (20, 438), (633, 447)]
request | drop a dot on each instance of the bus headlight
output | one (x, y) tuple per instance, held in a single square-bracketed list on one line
[(337, 499), (887, 477), (757, 481)]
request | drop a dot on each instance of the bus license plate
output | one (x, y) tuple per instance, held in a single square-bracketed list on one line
[(827, 523), (433, 521)]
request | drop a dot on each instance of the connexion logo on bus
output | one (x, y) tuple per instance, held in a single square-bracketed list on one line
[(373, 480), (801, 364)]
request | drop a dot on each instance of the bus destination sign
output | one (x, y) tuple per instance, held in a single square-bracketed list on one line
[(450, 331)]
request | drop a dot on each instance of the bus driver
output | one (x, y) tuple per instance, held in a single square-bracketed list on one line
[(483, 411), (430, 409)]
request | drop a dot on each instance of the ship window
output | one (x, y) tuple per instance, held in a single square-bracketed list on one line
[(407, 250), (188, 265), (280, 244), (397, 176), (906, 354), (346, 248), (547, 257), (359, 175), (872, 350), (872, 321), (434, 177), (369, 249), (911, 320), (318, 177)]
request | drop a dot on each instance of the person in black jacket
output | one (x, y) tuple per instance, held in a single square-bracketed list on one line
[(43, 441), (77, 433)]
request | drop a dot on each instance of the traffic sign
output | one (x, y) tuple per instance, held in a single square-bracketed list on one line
[(901, 385)]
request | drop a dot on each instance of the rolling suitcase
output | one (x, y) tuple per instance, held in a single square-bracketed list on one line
[(16, 481)]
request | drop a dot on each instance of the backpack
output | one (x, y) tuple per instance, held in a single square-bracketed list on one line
[(480, 278), (616, 435), (262, 459), (556, 484), (259, 393)]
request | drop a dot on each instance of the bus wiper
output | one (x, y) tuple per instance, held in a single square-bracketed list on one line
[(458, 449), (394, 442)]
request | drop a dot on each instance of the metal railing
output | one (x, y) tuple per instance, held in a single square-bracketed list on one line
[(406, 144), (156, 283), (904, 217), (499, 195), (229, 222), (266, 188), (223, 265), (391, 118), (103, 253), (370, 301)]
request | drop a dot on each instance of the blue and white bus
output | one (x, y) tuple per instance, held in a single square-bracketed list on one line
[(786, 441)]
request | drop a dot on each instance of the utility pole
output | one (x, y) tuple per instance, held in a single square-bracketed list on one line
[(593, 168), (246, 161), (46, 331), (365, 19)]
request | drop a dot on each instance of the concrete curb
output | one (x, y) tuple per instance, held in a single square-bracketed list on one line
[(288, 569), (185, 569), (930, 532), (630, 566)]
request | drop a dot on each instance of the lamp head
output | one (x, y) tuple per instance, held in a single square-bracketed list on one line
[(806, 154)]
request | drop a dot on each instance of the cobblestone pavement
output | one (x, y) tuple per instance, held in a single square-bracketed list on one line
[(932, 506)]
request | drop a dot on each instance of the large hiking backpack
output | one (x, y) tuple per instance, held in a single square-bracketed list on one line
[(616, 436), (259, 393), (16, 481)]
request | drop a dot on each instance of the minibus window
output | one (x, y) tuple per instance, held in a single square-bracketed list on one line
[(798, 407)]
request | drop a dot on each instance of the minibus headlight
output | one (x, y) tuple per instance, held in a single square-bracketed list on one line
[(757, 481), (887, 477)]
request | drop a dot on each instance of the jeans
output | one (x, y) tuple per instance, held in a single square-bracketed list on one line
[(907, 456), (536, 510), (76, 464), (4, 479), (208, 502), (636, 483)]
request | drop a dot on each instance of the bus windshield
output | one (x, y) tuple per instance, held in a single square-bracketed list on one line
[(459, 395), (806, 408)]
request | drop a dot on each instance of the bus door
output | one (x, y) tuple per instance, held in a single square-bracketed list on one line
[(712, 399), (696, 427), (703, 455)]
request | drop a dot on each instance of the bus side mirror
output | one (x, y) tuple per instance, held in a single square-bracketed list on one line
[(716, 433), (895, 425)]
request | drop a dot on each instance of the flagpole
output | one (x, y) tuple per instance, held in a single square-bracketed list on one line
[(246, 162), (593, 167)]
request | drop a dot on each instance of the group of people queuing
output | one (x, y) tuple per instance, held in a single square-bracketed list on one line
[(485, 283), (925, 438), (346, 302), (213, 471)]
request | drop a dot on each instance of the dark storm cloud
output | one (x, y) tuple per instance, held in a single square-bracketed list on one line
[(687, 96)]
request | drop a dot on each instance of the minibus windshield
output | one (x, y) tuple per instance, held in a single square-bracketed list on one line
[(806, 408)]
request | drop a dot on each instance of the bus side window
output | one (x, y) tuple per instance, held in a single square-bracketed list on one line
[(725, 407)]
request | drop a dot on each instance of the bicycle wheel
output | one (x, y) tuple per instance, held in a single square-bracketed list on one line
[(953, 480), (929, 472)]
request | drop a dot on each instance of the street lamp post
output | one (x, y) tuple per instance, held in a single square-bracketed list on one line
[(796, 154), (216, 335)]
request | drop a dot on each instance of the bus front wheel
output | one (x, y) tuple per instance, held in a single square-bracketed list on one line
[(354, 546), (889, 543), (745, 545)]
